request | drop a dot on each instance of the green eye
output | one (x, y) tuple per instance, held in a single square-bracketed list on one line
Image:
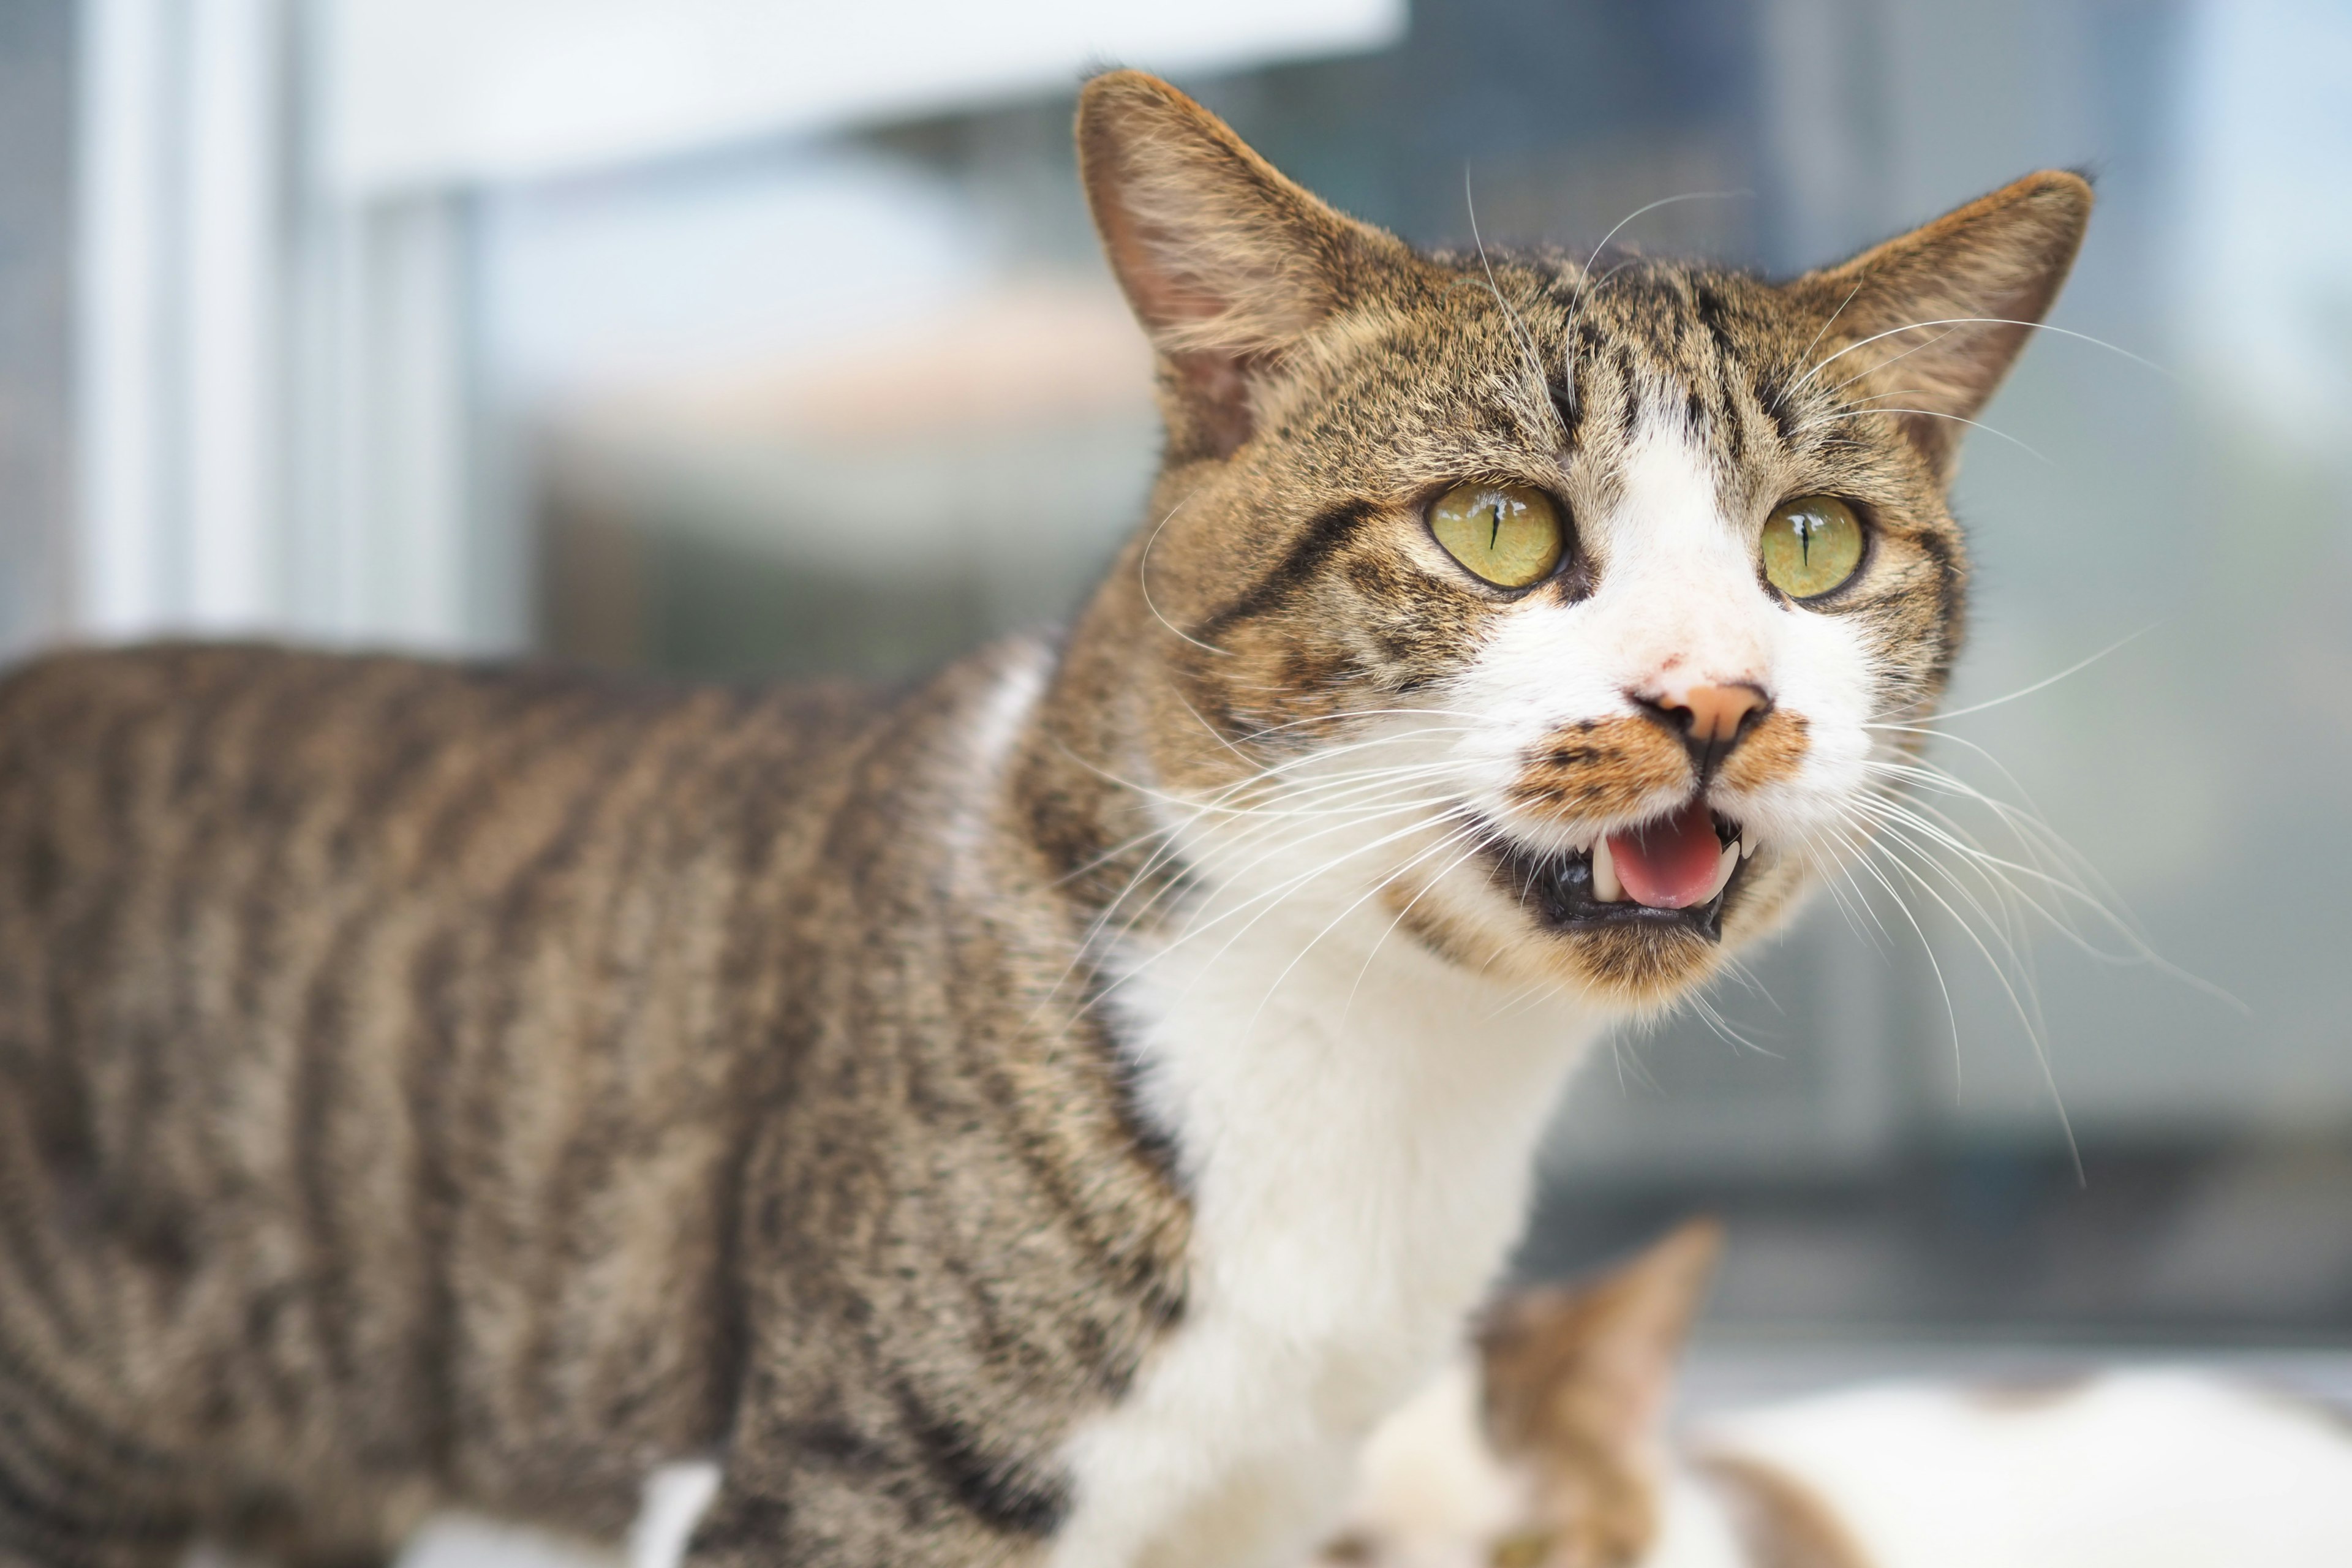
[(1810, 546), (1509, 534)]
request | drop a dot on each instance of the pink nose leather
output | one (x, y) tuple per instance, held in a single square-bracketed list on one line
[(1714, 710)]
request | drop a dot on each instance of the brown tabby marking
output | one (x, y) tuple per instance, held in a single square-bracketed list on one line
[(1618, 767), (1770, 752), (461, 1086), (1603, 768)]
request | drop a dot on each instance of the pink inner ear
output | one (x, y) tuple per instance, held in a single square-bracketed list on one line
[(1216, 384), (1163, 297)]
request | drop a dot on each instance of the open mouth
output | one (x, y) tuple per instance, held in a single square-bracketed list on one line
[(1676, 870)]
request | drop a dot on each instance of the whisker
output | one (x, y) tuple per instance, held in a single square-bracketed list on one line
[(1271, 898), (1143, 583), (1576, 300), (1480, 838), (2074, 668), (1780, 400), (2029, 1015), (1858, 850), (1931, 414), (1957, 322), (1722, 1026), (1292, 841), (1468, 830)]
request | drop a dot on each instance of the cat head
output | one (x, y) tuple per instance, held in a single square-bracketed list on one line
[(1566, 617), (1547, 1450)]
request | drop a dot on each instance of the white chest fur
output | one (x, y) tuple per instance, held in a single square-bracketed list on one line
[(1356, 1121)]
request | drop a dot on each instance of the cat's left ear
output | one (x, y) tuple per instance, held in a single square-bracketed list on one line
[(1226, 263), (1950, 305)]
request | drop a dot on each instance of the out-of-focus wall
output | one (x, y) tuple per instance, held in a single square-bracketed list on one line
[(37, 255), (285, 421)]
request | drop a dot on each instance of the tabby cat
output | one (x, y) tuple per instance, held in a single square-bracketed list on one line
[(1549, 1450), (1043, 1117)]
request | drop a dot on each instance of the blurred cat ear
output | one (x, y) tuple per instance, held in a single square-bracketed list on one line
[(1583, 1372), (1226, 262), (1946, 309)]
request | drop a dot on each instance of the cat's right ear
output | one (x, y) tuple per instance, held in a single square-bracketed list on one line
[(1226, 262), (1948, 307)]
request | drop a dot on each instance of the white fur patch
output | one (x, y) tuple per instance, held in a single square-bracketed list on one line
[(1694, 1531), (470, 1540), (676, 1498), (1355, 1119), (2153, 1468), (997, 721), (673, 1500), (1431, 1493)]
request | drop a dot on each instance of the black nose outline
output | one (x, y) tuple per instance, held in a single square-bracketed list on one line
[(1706, 756)]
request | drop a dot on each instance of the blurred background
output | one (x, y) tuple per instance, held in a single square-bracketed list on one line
[(618, 330)]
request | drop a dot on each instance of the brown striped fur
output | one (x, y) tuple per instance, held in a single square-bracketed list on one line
[(1609, 767), (424, 1084), (429, 1084)]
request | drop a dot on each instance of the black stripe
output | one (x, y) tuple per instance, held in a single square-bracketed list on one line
[(998, 1491), (435, 1192), (1629, 410), (1316, 544), (1566, 388), (25, 1384), (1950, 601), (834, 1444), (1122, 1261), (1569, 409), (197, 718), (81, 1504), (1735, 423), (1772, 395), (318, 1031), (1714, 313), (742, 1522)]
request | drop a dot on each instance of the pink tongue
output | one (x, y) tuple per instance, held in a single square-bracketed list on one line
[(1669, 864)]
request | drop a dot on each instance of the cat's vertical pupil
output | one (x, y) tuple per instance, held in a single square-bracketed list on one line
[(1524, 536), (1791, 564)]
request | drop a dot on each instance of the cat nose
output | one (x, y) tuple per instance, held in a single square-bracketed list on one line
[(1708, 720)]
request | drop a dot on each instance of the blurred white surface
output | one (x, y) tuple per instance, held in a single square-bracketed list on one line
[(439, 91), (292, 307), (471, 1541)]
